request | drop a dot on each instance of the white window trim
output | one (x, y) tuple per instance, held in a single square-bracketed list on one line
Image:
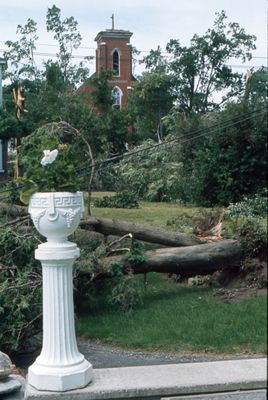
[(120, 95)]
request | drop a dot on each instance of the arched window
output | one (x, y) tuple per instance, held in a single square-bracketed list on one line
[(117, 97), (116, 59)]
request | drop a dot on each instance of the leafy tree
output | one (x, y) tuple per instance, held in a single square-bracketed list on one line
[(49, 93), (149, 102), (20, 53), (110, 124), (224, 153), (101, 94), (68, 38), (201, 70), (151, 172), (256, 88), (220, 156), (46, 90), (230, 161)]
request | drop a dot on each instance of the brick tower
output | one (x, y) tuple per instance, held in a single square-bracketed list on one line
[(114, 52)]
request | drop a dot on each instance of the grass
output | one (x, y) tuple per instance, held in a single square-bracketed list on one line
[(175, 318), (166, 215), (150, 213), (172, 317)]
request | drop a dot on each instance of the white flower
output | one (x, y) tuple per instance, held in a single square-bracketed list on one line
[(49, 157)]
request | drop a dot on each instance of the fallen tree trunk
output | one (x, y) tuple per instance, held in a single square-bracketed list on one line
[(13, 210), (16, 221), (142, 232), (186, 261)]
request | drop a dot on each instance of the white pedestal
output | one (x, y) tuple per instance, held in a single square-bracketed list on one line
[(60, 366)]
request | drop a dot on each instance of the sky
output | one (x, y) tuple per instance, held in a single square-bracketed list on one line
[(153, 23)]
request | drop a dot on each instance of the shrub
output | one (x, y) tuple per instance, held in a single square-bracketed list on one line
[(20, 290), (253, 236), (249, 207), (125, 293), (123, 199), (249, 223), (20, 308), (11, 193)]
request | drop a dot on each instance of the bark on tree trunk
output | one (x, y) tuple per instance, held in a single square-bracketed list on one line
[(13, 210), (142, 232), (187, 261)]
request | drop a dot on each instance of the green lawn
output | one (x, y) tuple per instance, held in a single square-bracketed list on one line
[(173, 317), (177, 318), (148, 213)]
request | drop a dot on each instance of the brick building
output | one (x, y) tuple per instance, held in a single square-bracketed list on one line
[(114, 52)]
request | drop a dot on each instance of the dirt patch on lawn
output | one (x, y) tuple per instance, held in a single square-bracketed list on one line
[(231, 295), (250, 281)]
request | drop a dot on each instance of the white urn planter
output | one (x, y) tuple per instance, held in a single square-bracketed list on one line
[(60, 366)]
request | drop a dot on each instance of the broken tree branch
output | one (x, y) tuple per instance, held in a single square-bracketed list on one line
[(186, 261), (142, 232)]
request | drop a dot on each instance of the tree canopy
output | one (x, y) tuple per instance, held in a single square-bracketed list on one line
[(200, 71)]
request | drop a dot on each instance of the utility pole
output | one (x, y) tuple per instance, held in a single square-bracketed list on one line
[(19, 110), (2, 63)]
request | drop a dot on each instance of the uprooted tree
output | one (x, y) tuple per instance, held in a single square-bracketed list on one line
[(185, 255)]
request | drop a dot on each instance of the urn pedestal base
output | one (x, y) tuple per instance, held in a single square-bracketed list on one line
[(60, 378), (60, 366)]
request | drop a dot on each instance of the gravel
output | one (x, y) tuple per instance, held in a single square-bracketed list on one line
[(106, 356)]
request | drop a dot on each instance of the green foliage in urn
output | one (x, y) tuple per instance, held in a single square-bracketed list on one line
[(48, 170)]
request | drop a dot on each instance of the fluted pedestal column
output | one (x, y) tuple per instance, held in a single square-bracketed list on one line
[(60, 366)]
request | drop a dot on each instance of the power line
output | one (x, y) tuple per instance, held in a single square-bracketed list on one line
[(94, 48), (140, 60), (187, 137)]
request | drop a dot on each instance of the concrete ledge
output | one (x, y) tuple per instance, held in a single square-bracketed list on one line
[(238, 395), (19, 395), (155, 382)]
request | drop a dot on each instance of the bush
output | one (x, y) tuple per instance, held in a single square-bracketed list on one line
[(20, 290), (11, 193), (125, 293), (249, 207), (249, 223), (253, 236), (20, 308), (123, 199)]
